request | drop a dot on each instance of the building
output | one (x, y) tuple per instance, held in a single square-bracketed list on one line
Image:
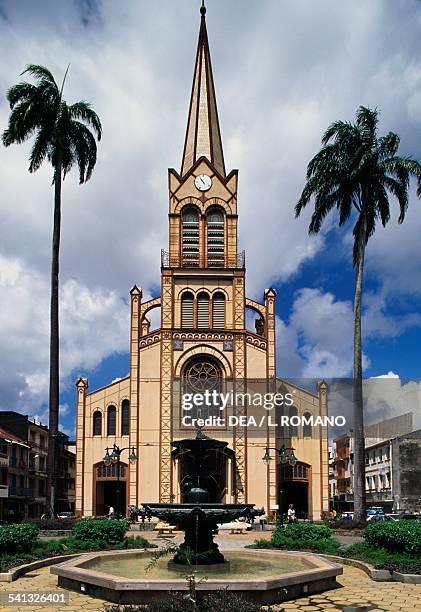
[(202, 340), (406, 471), (15, 494), (392, 467), (27, 466)]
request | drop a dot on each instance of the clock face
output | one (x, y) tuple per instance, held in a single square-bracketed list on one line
[(203, 182)]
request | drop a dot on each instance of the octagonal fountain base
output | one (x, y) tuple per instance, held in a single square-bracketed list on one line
[(263, 576)]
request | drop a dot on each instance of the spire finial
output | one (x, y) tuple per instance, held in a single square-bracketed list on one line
[(203, 9)]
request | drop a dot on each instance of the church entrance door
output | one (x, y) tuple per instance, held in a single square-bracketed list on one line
[(106, 486)]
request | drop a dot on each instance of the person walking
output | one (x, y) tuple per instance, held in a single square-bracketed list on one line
[(111, 513), (291, 514)]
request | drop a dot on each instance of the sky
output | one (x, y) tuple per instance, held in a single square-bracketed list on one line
[(284, 70)]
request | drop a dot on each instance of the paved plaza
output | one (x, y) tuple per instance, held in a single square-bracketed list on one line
[(356, 588)]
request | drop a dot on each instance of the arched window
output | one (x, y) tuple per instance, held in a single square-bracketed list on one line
[(200, 374), (307, 429), (111, 421), (97, 423), (218, 310), (203, 311), (190, 237), (215, 238), (293, 427), (125, 417), (187, 310)]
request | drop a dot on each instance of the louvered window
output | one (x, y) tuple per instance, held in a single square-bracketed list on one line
[(190, 238), (203, 311), (125, 417), (216, 239), (218, 311), (97, 423), (111, 421), (187, 310)]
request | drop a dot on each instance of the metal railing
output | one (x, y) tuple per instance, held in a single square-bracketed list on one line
[(379, 495), (237, 261)]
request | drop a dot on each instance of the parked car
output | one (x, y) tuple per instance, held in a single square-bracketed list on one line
[(410, 517), (65, 515), (373, 511), (375, 518)]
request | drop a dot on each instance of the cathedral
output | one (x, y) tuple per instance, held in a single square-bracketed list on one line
[(202, 342)]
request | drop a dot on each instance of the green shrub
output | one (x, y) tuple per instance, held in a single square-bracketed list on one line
[(298, 536), (395, 536), (261, 544), (106, 530), (136, 542), (18, 538)]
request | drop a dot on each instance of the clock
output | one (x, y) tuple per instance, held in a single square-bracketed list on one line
[(203, 182)]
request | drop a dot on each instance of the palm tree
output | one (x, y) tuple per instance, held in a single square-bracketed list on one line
[(355, 172), (62, 136)]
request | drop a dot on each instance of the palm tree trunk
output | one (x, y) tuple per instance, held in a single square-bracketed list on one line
[(359, 442), (54, 348)]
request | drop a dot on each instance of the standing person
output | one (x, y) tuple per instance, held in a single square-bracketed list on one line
[(291, 514), (111, 513)]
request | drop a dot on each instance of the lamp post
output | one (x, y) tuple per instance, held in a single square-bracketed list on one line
[(286, 456), (114, 458)]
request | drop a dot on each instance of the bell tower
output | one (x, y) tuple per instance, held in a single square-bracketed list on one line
[(203, 272)]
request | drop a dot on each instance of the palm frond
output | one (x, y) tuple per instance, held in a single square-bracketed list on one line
[(82, 110), (40, 73)]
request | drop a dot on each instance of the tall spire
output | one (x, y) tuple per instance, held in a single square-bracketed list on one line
[(203, 136)]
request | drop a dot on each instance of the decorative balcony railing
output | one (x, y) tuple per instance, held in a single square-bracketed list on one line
[(192, 260), (379, 495)]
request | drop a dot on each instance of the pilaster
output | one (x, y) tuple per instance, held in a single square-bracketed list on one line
[(81, 388), (135, 332)]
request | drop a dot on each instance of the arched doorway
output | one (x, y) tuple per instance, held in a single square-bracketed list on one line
[(294, 487), (110, 489), (203, 461)]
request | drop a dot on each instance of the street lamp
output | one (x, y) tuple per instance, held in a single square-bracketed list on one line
[(114, 458), (286, 456)]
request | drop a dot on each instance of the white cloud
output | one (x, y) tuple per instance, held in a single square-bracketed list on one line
[(317, 340), (92, 321)]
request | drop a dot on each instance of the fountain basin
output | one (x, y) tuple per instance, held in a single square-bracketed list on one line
[(272, 576)]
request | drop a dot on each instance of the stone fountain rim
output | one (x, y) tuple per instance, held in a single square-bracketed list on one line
[(72, 570)]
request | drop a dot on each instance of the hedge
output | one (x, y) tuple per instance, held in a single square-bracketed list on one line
[(18, 538), (395, 536), (107, 530)]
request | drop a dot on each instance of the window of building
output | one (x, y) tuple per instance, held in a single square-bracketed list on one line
[(42, 441), (97, 423), (190, 237), (203, 374), (215, 238), (218, 310), (125, 417), (203, 311), (111, 421), (293, 428), (307, 429), (187, 310)]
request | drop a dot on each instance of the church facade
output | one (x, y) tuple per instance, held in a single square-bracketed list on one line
[(202, 342)]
